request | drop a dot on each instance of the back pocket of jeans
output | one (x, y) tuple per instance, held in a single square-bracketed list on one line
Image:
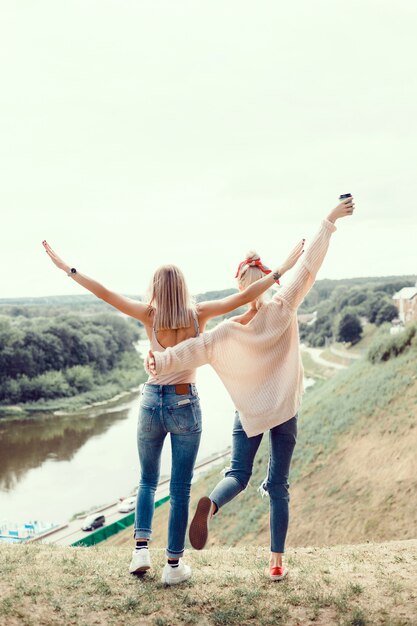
[(146, 414), (186, 416)]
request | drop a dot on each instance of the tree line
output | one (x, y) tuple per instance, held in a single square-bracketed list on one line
[(340, 312), (45, 358)]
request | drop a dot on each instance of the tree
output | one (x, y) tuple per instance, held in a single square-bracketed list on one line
[(349, 329), (386, 313)]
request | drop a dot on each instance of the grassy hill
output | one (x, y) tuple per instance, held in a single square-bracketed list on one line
[(344, 585), (354, 473)]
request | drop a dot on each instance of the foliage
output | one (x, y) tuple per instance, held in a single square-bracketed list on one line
[(386, 313), (363, 298), (323, 290), (349, 329), (47, 358), (316, 335), (386, 347)]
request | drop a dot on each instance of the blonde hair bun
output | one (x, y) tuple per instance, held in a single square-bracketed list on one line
[(252, 255)]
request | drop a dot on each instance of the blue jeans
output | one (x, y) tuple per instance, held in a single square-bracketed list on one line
[(282, 441), (162, 411)]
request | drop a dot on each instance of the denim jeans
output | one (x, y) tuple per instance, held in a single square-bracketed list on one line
[(162, 411), (282, 441)]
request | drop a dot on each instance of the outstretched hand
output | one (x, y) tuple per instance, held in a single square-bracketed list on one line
[(54, 257), (343, 209), (293, 257), (150, 365)]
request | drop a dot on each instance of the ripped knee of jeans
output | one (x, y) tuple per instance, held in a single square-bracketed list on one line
[(274, 490), (263, 488)]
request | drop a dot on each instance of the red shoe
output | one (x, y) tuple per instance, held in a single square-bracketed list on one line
[(277, 573), (198, 532)]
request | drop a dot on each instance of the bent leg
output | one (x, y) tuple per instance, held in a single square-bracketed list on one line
[(236, 478)]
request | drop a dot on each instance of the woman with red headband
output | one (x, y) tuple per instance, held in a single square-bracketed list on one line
[(257, 356)]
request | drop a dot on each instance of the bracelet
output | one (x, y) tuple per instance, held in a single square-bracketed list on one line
[(72, 271), (276, 275)]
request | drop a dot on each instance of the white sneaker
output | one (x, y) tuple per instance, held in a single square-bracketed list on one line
[(175, 575), (141, 561)]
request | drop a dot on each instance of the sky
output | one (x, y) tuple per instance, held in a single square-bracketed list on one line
[(140, 133)]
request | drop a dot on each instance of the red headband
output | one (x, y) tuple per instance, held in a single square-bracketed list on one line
[(257, 263)]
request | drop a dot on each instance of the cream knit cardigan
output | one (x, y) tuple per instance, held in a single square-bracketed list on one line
[(259, 363)]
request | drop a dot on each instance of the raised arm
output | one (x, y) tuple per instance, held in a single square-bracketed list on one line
[(212, 308), (304, 279), (133, 308)]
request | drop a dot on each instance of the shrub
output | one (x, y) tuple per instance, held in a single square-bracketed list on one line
[(387, 347), (45, 386), (80, 378)]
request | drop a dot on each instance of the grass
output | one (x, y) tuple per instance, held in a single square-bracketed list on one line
[(344, 585)]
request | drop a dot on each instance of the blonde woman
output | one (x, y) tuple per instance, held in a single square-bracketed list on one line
[(257, 356), (169, 403)]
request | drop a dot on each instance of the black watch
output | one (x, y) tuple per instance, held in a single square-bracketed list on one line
[(72, 271)]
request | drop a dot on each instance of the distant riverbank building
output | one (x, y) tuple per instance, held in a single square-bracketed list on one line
[(406, 302)]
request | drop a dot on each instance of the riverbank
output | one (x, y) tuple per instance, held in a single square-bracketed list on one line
[(122, 385), (68, 406)]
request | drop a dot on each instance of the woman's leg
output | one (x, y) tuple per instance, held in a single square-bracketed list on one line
[(185, 429), (282, 443), (236, 478), (151, 435)]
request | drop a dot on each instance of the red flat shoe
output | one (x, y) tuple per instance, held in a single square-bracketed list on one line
[(277, 573)]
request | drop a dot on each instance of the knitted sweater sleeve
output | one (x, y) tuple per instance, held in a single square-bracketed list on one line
[(185, 355), (311, 262)]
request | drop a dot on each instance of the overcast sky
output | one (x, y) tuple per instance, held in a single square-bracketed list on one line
[(138, 133)]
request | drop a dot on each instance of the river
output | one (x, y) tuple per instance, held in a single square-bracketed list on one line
[(54, 467)]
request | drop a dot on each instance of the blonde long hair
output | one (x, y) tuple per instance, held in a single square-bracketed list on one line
[(170, 299), (249, 273)]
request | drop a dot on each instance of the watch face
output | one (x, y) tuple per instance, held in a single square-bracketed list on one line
[(73, 270)]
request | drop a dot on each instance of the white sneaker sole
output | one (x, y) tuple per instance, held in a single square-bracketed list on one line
[(176, 581), (140, 570)]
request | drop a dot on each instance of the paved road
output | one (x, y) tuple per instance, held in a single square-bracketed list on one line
[(315, 355), (345, 355)]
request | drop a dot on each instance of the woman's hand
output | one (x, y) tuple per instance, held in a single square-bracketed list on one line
[(293, 257), (342, 210), (150, 366), (55, 258)]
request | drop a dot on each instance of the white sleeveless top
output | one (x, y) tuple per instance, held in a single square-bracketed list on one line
[(176, 378)]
